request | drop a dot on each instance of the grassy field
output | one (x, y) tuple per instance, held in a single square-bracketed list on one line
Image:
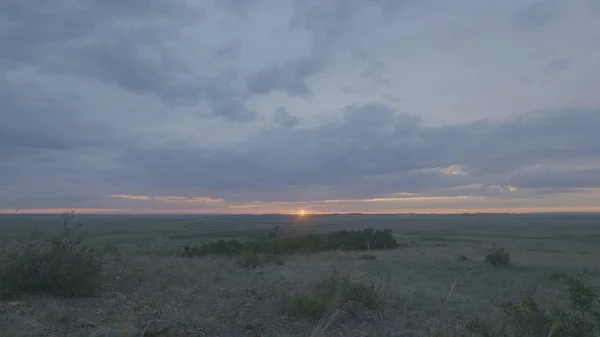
[(433, 285)]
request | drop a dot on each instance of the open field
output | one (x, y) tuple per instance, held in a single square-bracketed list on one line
[(435, 283)]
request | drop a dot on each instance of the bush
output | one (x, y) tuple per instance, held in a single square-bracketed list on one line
[(498, 257), (367, 239), (331, 293), (61, 266), (368, 257)]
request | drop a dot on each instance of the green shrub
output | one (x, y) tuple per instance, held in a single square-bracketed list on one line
[(498, 257), (60, 266), (331, 293)]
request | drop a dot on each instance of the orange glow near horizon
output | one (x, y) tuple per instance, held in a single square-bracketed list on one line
[(272, 211), (302, 212)]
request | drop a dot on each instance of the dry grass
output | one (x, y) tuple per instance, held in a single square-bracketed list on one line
[(428, 291)]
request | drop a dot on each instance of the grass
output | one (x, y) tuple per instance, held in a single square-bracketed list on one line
[(427, 291), (368, 257), (61, 266), (331, 293)]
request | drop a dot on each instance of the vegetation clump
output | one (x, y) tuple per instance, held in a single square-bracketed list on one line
[(368, 257), (360, 240), (331, 293), (253, 260), (498, 257), (525, 317), (61, 266)]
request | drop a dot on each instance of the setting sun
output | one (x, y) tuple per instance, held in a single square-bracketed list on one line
[(302, 212)]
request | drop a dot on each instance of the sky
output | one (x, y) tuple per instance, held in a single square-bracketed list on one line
[(260, 106)]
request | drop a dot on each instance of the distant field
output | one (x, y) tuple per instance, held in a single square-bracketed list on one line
[(523, 231), (214, 297)]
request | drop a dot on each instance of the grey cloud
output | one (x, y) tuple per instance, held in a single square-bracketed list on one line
[(283, 118), (593, 6), (57, 151), (559, 64), (120, 43), (327, 22), (31, 29), (374, 150), (225, 100), (537, 14), (30, 125), (231, 51), (554, 179), (376, 74), (551, 136), (119, 62), (34, 30), (290, 78)]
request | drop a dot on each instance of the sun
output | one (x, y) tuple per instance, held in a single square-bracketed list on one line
[(302, 212)]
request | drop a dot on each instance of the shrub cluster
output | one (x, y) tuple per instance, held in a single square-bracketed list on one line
[(366, 239), (62, 266)]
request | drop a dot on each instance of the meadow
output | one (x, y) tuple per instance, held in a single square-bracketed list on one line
[(435, 283)]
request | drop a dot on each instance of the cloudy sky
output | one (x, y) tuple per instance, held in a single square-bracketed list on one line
[(246, 106)]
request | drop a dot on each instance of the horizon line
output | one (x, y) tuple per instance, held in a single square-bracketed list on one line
[(6, 212)]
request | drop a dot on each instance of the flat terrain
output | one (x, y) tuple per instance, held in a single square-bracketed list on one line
[(437, 281)]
